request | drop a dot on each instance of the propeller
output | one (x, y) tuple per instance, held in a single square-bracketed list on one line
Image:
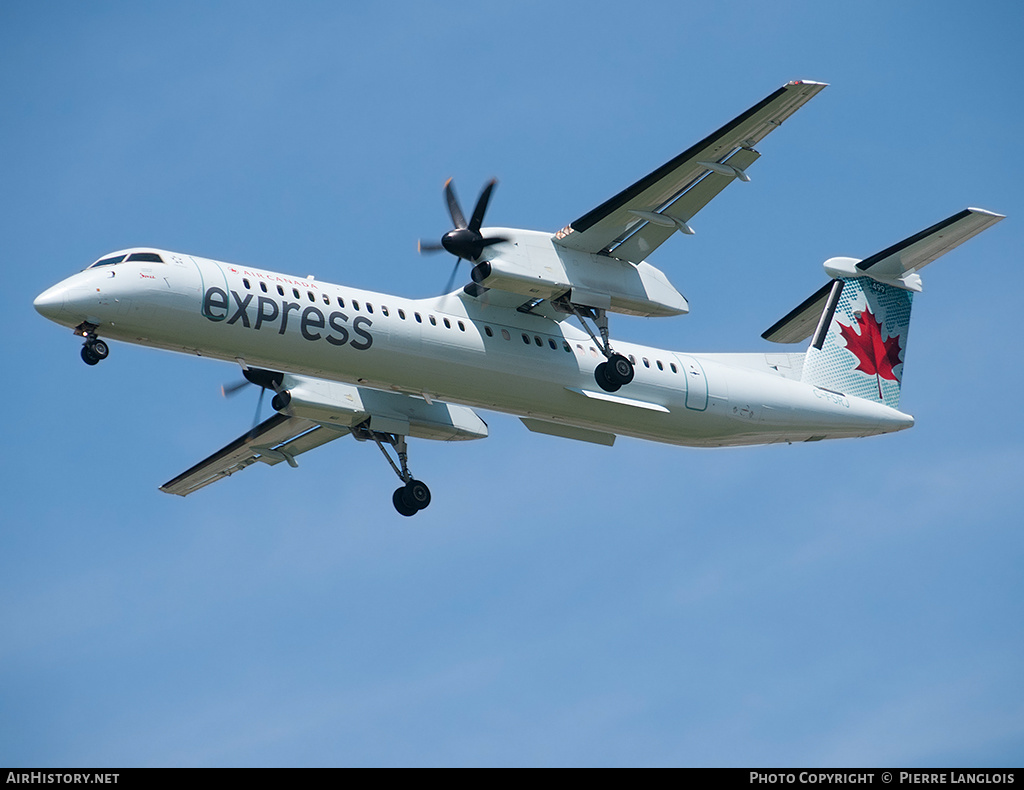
[(264, 379), (464, 241)]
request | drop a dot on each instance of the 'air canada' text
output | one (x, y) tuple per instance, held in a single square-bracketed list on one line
[(269, 312)]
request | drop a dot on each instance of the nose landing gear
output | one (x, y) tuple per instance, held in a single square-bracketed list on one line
[(94, 349)]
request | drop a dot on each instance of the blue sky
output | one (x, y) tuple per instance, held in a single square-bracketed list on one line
[(847, 603)]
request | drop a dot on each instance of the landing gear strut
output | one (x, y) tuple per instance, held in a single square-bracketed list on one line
[(94, 349), (412, 496), (616, 371)]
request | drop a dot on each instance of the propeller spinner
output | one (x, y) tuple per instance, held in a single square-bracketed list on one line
[(464, 241)]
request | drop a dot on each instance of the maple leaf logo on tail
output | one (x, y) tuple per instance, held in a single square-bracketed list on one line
[(875, 356)]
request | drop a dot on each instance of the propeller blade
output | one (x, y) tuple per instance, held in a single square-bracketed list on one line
[(451, 278), (481, 206), (227, 390), (453, 205), (492, 240), (259, 408), (428, 247)]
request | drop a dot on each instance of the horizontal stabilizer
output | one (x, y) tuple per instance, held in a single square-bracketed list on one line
[(922, 248), (896, 266), (797, 325)]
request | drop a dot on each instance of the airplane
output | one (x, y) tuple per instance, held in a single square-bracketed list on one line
[(529, 334)]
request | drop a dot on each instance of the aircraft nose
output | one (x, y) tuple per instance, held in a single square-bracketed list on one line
[(50, 303)]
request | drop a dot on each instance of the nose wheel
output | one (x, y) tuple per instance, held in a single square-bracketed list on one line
[(94, 350)]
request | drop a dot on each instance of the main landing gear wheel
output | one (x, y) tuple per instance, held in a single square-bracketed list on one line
[(413, 495), (411, 498), (615, 373), (603, 380), (89, 357)]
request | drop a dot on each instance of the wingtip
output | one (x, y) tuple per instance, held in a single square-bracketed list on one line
[(986, 212)]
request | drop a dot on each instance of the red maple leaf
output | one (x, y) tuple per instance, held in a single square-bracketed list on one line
[(875, 356)]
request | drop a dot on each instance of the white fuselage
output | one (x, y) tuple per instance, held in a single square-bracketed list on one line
[(456, 348)]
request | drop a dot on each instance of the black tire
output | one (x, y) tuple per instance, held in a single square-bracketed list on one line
[(416, 494), (619, 369), (89, 356), (601, 377), (398, 500), (100, 349)]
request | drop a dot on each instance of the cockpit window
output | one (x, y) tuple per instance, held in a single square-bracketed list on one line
[(108, 261), (145, 257)]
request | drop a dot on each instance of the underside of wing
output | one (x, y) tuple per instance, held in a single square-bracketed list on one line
[(633, 223), (277, 439)]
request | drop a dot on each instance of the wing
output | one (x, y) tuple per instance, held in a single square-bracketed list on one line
[(280, 438), (321, 411), (639, 219)]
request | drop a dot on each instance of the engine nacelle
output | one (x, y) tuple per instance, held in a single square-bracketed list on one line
[(532, 265), (346, 405)]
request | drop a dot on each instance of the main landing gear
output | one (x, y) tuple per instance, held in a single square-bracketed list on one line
[(412, 496), (616, 371), (94, 349)]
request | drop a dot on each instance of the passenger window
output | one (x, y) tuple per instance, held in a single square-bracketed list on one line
[(673, 366), (487, 330), (660, 366), (341, 302), (355, 305), (369, 307), (647, 364), (401, 313), (552, 344), (384, 309), (567, 347), (632, 359), (295, 291), (447, 324), (280, 291), (526, 338), (327, 300), (263, 287), (505, 334), (433, 321), (310, 295), (419, 320), (245, 282)]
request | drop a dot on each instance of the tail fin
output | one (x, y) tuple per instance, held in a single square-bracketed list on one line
[(863, 315), (859, 345)]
